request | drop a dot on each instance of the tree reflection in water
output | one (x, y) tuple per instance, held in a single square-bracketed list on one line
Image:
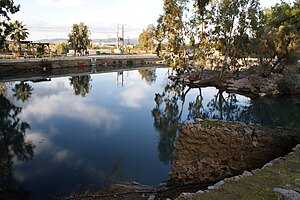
[(221, 107), (22, 91), (149, 75), (167, 114), (81, 85), (278, 111), (12, 145)]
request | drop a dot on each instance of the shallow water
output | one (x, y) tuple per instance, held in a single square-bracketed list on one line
[(75, 133)]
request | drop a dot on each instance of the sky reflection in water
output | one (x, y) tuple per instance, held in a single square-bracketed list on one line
[(85, 128)]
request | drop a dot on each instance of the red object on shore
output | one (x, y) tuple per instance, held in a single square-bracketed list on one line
[(80, 64)]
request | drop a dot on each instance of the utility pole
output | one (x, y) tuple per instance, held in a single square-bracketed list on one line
[(120, 38)]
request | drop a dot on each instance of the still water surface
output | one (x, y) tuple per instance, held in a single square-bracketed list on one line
[(89, 131)]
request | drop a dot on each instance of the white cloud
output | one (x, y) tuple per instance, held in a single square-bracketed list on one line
[(60, 3)]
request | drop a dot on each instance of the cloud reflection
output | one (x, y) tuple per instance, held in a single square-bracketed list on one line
[(135, 96), (53, 106)]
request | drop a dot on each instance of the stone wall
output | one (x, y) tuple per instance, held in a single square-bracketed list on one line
[(210, 151), (49, 63)]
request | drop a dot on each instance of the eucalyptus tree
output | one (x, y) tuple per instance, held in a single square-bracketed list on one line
[(236, 22), (171, 28), (198, 32), (18, 32), (224, 26), (280, 39), (146, 39), (79, 38)]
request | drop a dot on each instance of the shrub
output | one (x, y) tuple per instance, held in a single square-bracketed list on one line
[(287, 84)]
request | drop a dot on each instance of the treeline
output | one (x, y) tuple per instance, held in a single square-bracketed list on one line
[(228, 33)]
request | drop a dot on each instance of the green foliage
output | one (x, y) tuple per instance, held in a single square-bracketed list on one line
[(225, 33), (171, 28), (281, 36), (79, 38), (146, 39), (287, 84), (61, 48), (17, 32), (6, 7), (22, 91)]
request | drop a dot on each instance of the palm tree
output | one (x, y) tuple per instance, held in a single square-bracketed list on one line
[(81, 85), (79, 38), (22, 91), (18, 32)]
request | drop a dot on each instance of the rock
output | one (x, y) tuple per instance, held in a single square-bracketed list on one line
[(208, 151), (151, 197), (254, 143), (287, 194), (248, 131), (246, 173), (262, 94)]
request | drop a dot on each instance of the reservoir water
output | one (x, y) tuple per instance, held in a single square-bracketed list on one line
[(78, 133)]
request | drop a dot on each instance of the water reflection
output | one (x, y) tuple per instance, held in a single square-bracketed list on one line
[(222, 106), (167, 114), (79, 140), (22, 91), (12, 145), (219, 105), (276, 111), (81, 85), (281, 111), (149, 75)]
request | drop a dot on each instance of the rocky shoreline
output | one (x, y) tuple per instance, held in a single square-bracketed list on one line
[(248, 82)]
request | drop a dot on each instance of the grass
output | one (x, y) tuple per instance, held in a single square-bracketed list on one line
[(282, 174)]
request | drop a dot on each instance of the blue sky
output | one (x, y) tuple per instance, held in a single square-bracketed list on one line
[(54, 18)]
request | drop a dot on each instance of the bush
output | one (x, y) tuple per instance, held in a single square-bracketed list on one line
[(287, 84)]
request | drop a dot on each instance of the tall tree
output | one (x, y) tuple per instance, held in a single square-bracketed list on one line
[(280, 38), (198, 32), (79, 38), (6, 7), (146, 39), (18, 32), (171, 28)]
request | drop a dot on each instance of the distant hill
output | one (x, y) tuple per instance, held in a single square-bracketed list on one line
[(55, 40), (107, 40)]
